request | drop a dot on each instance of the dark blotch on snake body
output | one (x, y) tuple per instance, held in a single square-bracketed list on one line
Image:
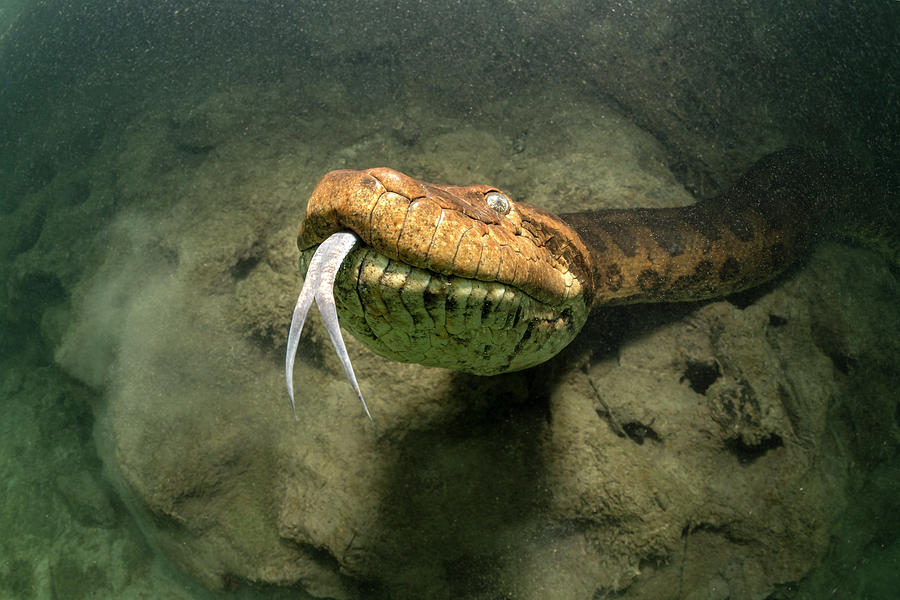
[(739, 224), (649, 281), (730, 269), (624, 237), (614, 277)]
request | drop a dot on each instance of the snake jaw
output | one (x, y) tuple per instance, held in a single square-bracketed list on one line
[(318, 287)]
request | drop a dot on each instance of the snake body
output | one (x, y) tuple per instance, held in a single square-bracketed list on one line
[(462, 277)]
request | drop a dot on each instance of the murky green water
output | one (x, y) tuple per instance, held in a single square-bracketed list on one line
[(155, 159)]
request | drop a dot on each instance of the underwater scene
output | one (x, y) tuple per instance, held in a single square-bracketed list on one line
[(617, 285)]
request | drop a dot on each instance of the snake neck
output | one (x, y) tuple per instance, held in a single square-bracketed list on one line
[(715, 247)]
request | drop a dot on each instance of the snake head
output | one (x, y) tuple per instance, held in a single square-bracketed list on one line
[(453, 276), (475, 231)]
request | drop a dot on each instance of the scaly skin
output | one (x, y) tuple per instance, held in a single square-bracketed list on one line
[(441, 278)]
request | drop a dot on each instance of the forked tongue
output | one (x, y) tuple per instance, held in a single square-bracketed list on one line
[(319, 287)]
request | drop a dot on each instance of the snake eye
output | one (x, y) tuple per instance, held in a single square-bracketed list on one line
[(498, 201)]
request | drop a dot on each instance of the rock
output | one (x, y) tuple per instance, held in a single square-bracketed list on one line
[(687, 448)]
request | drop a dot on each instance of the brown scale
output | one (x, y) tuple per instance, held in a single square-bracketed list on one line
[(712, 248)]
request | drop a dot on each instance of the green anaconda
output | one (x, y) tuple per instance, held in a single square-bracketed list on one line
[(462, 277)]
